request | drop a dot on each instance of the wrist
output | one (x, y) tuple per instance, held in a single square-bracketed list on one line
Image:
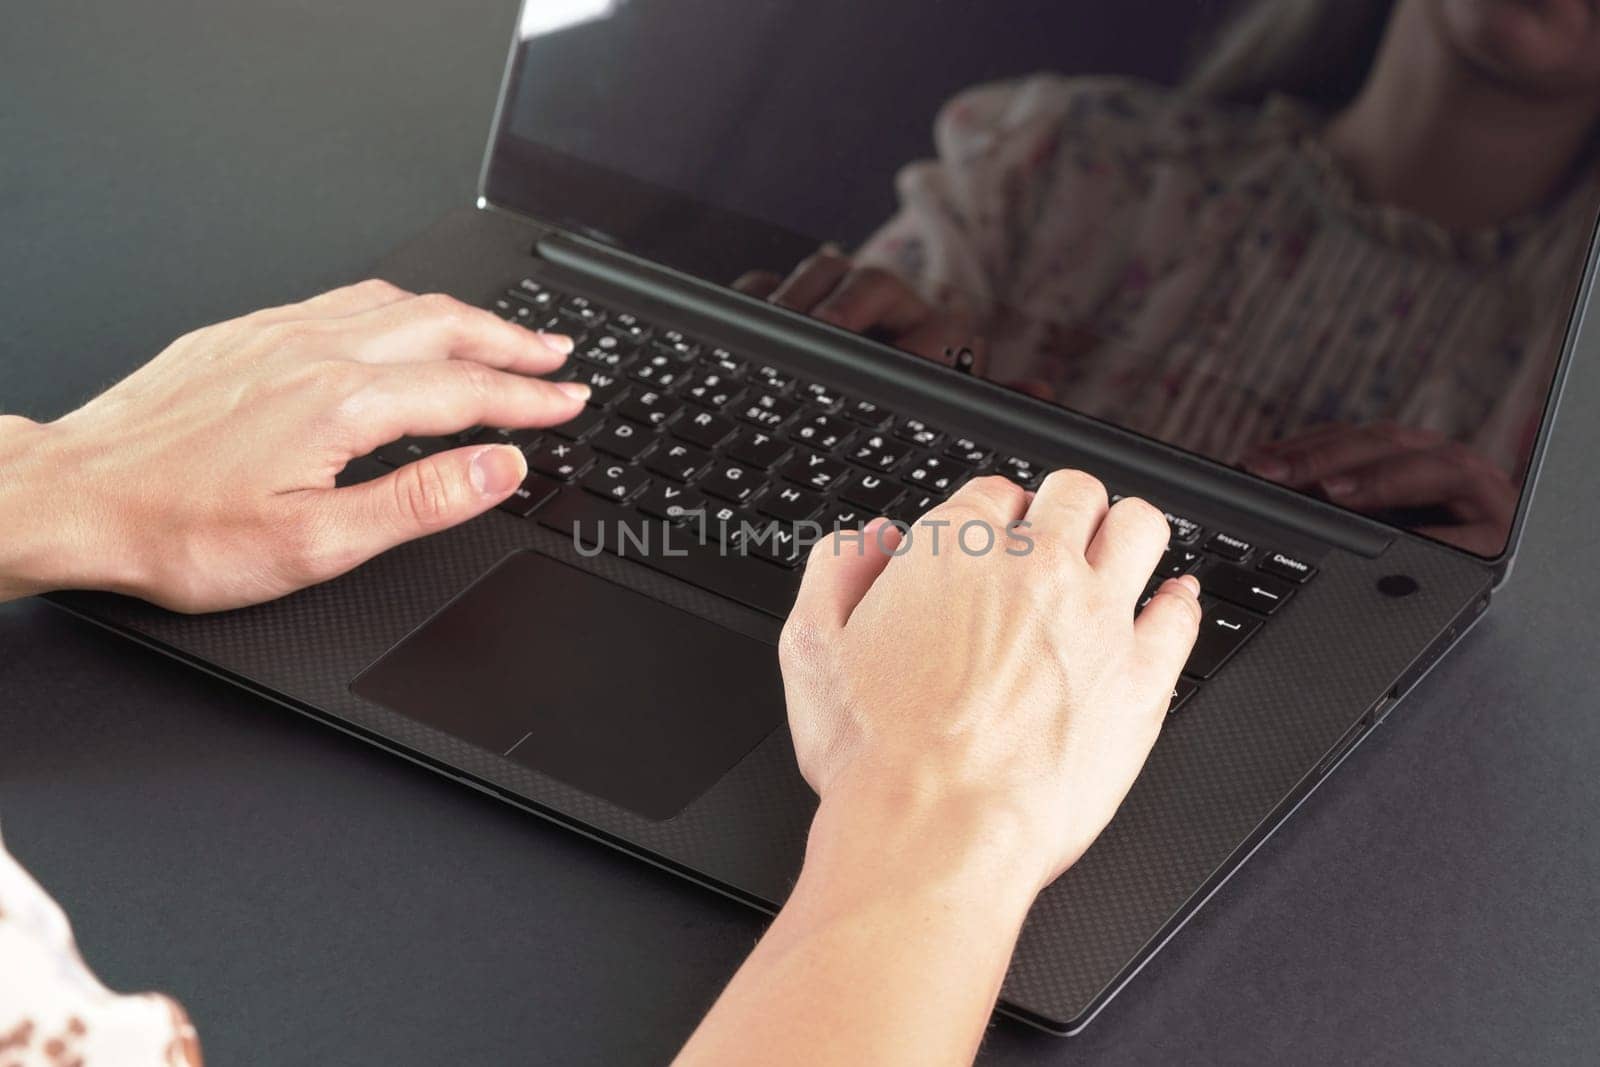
[(51, 539), (897, 843)]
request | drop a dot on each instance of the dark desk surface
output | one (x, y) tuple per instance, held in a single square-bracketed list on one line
[(313, 900)]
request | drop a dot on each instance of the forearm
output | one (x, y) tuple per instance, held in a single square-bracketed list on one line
[(891, 948)]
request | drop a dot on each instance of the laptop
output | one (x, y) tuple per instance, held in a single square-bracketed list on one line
[(828, 261)]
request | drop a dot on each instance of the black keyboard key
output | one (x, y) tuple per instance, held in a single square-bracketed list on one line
[(535, 293), (913, 507), (918, 433), (1184, 531), (534, 490), (822, 432), (648, 408), (815, 471), (1261, 593), (606, 386), (821, 396), (790, 503), (868, 413), (615, 481), (722, 361), (759, 449), (676, 503), (704, 428), (1228, 546), (711, 389), (674, 344), (774, 378), (580, 424), (872, 491), (1223, 631), (678, 461), (753, 583), (409, 449), (1177, 561), (968, 451), (732, 482), (630, 329), (767, 410), (1025, 472), (1286, 567), (582, 310), (842, 516), (879, 453), (561, 459), (936, 474), (523, 439), (516, 311), (658, 370), (777, 542), (622, 438), (605, 352), (1181, 693)]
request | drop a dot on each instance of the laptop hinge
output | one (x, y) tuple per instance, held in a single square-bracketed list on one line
[(1046, 427)]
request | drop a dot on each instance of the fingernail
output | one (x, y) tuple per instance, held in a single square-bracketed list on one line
[(557, 342), (1267, 467), (1191, 583), (576, 390), (1340, 486), (497, 470)]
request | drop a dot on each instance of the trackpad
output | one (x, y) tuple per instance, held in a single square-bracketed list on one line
[(587, 681)]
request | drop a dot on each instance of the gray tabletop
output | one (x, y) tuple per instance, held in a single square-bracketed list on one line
[(172, 162)]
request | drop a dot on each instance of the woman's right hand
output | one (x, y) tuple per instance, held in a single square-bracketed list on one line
[(1017, 690), (830, 287)]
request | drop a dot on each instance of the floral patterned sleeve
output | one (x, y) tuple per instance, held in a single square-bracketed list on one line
[(54, 1012), (974, 222)]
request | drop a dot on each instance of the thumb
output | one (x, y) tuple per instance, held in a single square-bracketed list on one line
[(424, 497)]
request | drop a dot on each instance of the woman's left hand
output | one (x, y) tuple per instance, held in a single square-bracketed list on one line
[(1383, 466)]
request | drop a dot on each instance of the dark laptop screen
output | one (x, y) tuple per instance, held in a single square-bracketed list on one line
[(1335, 243)]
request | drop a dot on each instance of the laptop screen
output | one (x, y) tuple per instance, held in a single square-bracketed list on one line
[(1333, 243)]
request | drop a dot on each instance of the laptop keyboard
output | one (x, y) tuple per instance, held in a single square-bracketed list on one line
[(683, 435)]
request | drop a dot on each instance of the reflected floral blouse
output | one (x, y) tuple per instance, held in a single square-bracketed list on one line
[(1207, 276), (55, 1013)]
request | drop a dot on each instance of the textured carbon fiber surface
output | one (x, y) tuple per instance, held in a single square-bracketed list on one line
[(1223, 766)]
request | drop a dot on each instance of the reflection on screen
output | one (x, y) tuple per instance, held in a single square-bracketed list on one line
[(1333, 242)]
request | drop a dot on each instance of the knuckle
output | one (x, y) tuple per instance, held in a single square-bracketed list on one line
[(423, 494), (1145, 518), (802, 642), (1076, 483), (442, 307), (376, 287)]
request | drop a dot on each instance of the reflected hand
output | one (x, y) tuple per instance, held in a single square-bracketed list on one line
[(829, 287), (205, 480), (1383, 466)]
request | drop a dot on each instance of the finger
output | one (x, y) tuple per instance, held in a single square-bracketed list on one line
[(420, 498), (840, 570), (812, 280), (1166, 629), (1129, 545), (871, 298), (1303, 464), (758, 283), (1417, 480), (943, 335), (1070, 506), (433, 399), (438, 327)]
